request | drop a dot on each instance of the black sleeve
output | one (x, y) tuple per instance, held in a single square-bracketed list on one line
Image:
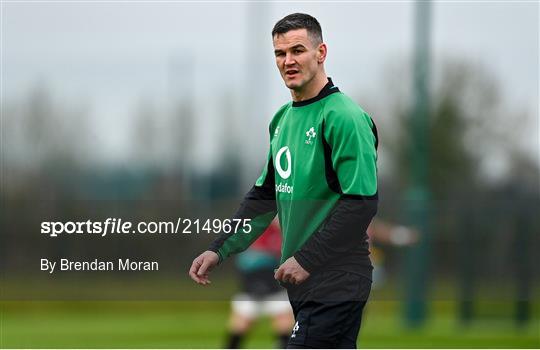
[(344, 229), (259, 205)]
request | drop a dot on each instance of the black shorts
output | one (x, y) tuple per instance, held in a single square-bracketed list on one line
[(328, 309)]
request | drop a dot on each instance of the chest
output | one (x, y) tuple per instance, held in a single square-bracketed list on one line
[(297, 146)]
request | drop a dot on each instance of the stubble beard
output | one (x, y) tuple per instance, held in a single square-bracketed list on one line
[(301, 86)]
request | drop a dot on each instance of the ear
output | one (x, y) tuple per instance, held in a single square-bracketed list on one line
[(321, 53)]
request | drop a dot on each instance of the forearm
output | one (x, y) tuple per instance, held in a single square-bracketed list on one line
[(344, 229), (259, 206)]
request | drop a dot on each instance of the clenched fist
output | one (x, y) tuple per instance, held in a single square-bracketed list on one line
[(291, 272)]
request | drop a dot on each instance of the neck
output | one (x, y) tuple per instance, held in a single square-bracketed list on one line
[(311, 90)]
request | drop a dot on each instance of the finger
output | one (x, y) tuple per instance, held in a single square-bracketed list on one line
[(285, 276), (204, 269), (193, 271), (279, 274), (290, 278), (193, 275), (205, 279), (296, 277)]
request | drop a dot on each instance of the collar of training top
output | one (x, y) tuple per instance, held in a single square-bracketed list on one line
[(328, 89)]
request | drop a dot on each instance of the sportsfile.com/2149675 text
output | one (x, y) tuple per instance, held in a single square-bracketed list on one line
[(118, 226)]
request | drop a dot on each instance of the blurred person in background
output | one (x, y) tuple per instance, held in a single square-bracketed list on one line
[(321, 179), (260, 294), (381, 232)]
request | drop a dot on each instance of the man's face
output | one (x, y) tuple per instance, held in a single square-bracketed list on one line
[(297, 58)]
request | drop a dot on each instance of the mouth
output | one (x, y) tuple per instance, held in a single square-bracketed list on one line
[(290, 73)]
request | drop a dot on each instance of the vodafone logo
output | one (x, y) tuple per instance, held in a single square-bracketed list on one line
[(283, 173)]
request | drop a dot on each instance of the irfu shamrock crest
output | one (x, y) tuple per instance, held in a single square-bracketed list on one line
[(310, 134)]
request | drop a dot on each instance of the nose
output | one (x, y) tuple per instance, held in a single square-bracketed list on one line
[(289, 59)]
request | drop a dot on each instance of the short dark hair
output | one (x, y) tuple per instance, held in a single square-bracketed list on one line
[(299, 21)]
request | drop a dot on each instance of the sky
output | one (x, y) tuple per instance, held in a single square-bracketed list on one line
[(110, 55)]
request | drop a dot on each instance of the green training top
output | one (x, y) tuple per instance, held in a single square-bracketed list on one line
[(320, 150)]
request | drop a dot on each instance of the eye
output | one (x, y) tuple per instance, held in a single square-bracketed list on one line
[(298, 51)]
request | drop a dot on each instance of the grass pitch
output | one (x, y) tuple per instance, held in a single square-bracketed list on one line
[(199, 324)]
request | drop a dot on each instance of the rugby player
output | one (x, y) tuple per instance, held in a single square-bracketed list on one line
[(260, 295), (321, 179)]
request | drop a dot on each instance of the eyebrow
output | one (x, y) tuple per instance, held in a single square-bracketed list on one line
[(291, 48), (298, 46)]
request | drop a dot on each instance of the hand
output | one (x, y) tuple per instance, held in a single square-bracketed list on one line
[(201, 267), (291, 271)]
